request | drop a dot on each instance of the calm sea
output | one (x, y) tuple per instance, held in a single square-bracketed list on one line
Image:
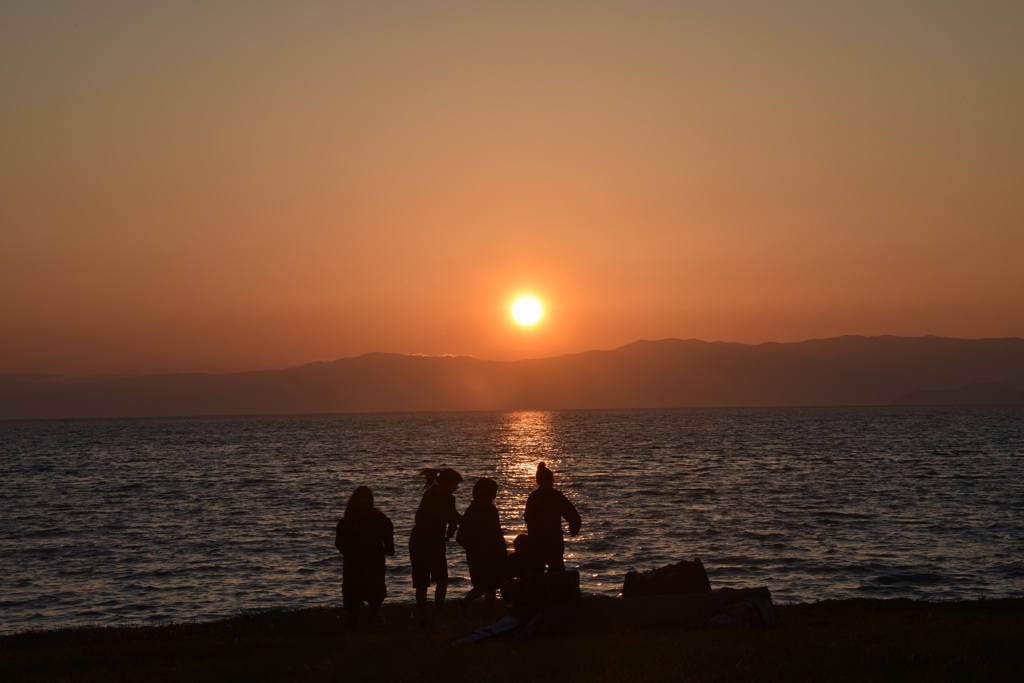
[(153, 520)]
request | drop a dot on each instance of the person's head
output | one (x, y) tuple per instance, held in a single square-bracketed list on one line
[(520, 543), (485, 490), (447, 479), (545, 477), (360, 502)]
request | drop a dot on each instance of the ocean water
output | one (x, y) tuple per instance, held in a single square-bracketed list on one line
[(154, 520)]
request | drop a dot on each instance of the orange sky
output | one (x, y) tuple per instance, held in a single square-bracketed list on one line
[(247, 185)]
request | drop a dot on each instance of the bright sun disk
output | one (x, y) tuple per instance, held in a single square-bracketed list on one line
[(527, 310)]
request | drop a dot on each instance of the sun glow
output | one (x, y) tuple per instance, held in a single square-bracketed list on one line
[(527, 310)]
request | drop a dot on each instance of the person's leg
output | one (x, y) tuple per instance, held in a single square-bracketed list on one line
[(463, 604), (351, 596), (439, 572), (440, 590), (421, 602), (489, 599), (375, 613), (421, 579), (553, 558)]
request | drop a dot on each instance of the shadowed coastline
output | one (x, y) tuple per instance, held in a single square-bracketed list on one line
[(831, 640)]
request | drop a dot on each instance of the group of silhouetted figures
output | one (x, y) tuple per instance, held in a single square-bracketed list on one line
[(365, 536)]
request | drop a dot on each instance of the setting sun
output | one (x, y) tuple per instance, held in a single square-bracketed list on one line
[(527, 310)]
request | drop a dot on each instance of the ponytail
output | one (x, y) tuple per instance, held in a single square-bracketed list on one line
[(433, 476), (429, 475)]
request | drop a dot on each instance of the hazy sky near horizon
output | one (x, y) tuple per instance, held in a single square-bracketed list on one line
[(245, 185)]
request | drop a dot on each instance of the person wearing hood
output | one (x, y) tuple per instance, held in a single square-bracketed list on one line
[(545, 509)]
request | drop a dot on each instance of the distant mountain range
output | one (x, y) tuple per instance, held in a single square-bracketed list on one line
[(645, 374)]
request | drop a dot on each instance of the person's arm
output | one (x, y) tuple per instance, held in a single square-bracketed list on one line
[(464, 535), (389, 535), (495, 526), (571, 515), (454, 518)]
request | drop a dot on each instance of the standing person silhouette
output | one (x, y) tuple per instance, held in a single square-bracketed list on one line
[(486, 554), (436, 522), (545, 509), (364, 536)]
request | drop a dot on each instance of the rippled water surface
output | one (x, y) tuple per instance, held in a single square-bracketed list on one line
[(143, 521)]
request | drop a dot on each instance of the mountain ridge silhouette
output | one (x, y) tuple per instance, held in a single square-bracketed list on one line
[(666, 373)]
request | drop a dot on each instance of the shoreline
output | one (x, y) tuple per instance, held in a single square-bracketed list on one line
[(853, 639), (410, 606)]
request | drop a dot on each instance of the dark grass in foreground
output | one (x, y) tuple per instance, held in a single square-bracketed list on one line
[(833, 640)]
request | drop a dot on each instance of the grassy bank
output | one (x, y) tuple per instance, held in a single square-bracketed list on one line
[(833, 640)]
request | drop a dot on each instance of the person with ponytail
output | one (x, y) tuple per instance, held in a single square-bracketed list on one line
[(545, 509), (364, 537), (436, 523)]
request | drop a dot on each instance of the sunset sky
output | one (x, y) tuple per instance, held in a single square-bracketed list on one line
[(197, 186)]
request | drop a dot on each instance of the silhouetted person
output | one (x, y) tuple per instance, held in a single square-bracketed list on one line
[(436, 522), (517, 565), (480, 534), (545, 509), (364, 536)]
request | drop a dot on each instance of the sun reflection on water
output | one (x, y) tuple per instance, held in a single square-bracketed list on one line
[(525, 438)]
